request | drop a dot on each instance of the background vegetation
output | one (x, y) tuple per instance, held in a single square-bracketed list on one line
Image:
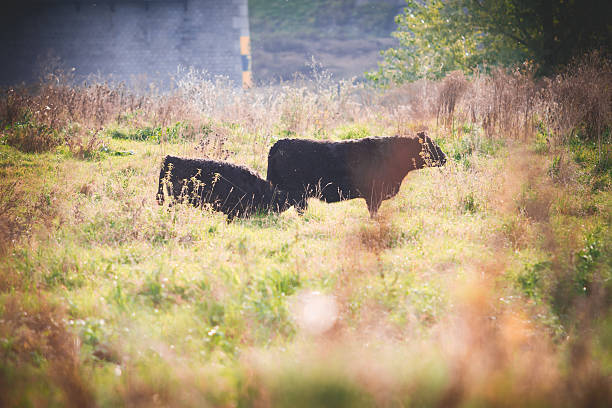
[(437, 37)]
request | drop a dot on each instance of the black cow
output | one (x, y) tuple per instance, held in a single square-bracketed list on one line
[(371, 168), (231, 189)]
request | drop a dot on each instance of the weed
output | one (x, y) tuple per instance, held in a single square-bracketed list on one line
[(469, 204), (596, 171), (531, 279), (145, 134), (586, 260), (541, 141), (283, 283), (555, 167)]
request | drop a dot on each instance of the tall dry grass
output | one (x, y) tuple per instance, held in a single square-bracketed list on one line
[(580, 101), (513, 103)]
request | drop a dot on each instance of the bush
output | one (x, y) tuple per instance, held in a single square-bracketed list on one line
[(580, 101), (530, 281), (31, 138), (83, 144)]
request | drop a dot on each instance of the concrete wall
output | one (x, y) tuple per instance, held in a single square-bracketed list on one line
[(125, 38)]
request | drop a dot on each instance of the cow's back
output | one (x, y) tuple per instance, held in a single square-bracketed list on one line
[(295, 162), (323, 169), (232, 189)]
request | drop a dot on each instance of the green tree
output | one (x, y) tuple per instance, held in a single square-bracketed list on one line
[(439, 36)]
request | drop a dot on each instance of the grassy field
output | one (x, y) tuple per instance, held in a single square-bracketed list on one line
[(482, 283)]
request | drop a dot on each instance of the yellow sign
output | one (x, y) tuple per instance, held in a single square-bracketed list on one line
[(245, 45), (245, 53)]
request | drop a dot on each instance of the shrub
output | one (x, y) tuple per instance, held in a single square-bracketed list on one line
[(530, 281), (31, 138), (83, 144), (579, 100), (451, 90)]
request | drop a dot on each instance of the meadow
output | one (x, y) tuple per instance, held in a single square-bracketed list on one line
[(486, 282)]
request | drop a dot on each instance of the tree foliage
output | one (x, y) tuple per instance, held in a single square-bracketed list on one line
[(439, 36)]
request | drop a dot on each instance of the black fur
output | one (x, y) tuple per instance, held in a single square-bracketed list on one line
[(231, 189), (370, 168)]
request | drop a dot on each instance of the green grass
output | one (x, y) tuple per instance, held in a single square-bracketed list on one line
[(167, 299)]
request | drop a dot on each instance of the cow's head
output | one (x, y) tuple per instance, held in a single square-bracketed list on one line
[(430, 153)]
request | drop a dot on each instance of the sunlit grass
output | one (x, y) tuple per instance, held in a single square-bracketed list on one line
[(471, 286)]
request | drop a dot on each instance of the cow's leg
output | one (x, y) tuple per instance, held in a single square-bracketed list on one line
[(373, 205)]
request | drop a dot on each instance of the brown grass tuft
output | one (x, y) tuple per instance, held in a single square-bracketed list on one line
[(451, 90), (82, 143), (580, 100)]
